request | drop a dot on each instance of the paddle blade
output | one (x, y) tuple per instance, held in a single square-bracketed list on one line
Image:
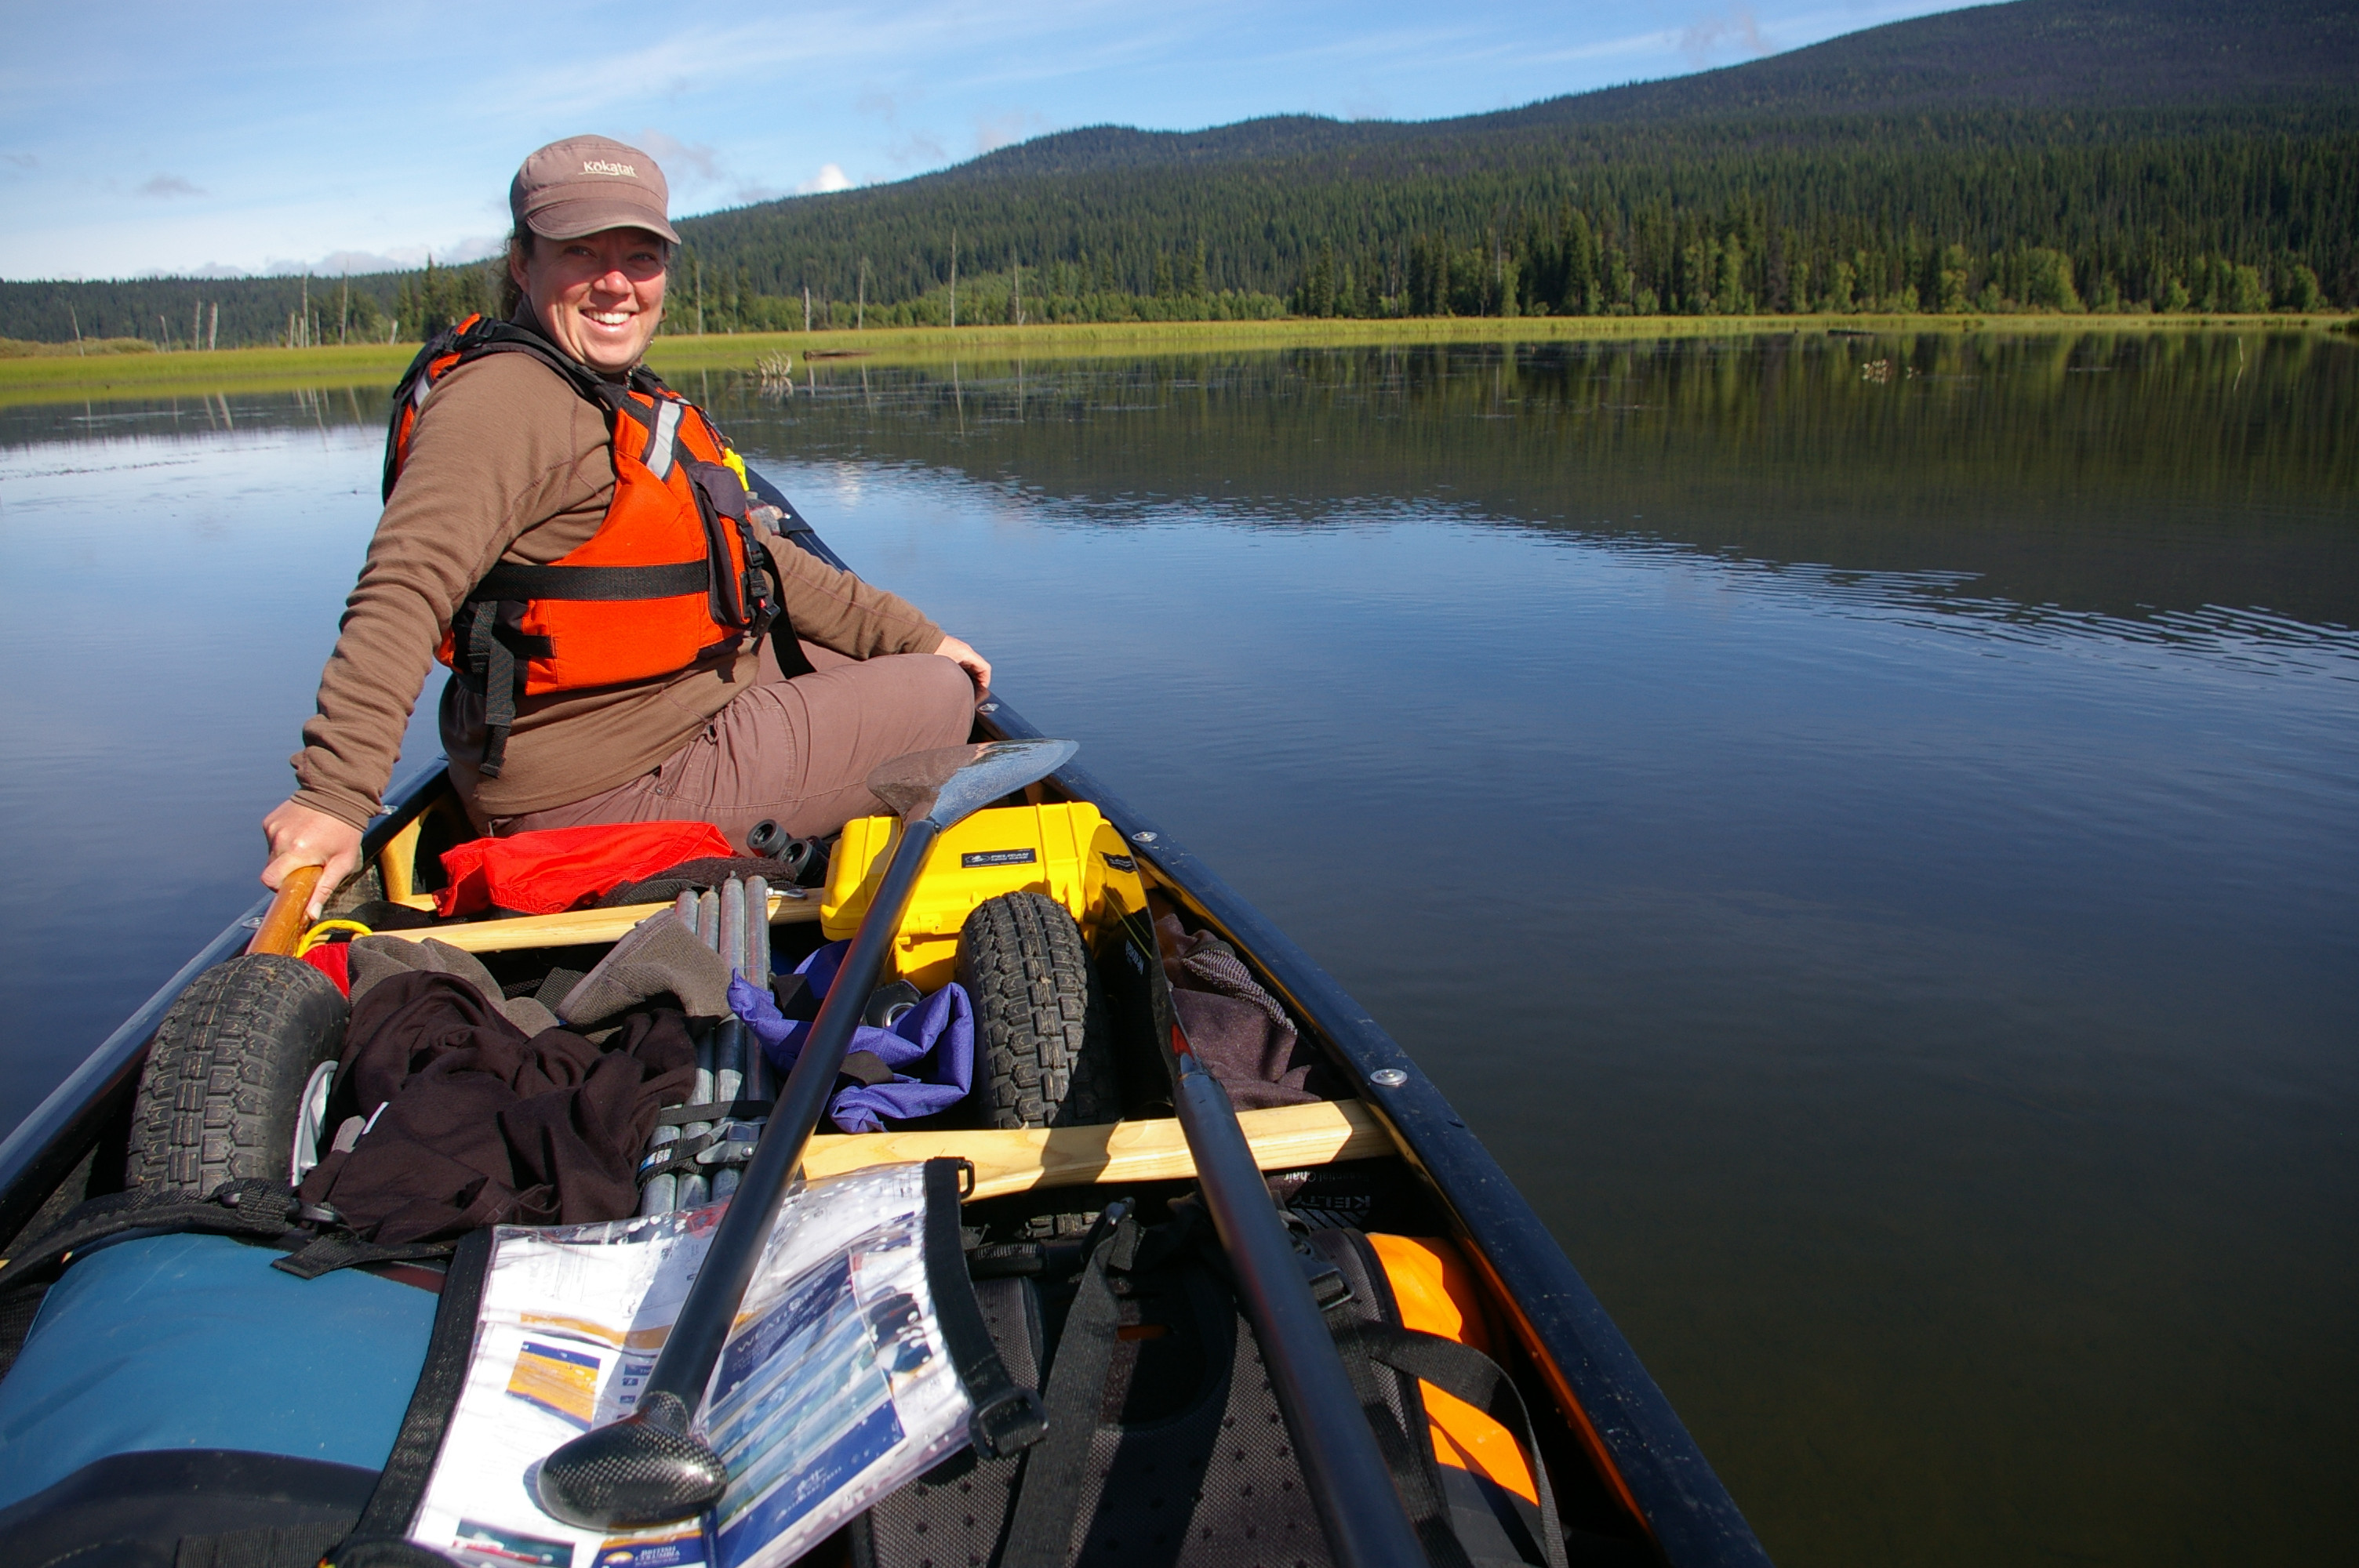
[(643, 1469), (945, 786)]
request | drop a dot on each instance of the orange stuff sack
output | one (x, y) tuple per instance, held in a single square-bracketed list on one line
[(1436, 1295), (566, 867)]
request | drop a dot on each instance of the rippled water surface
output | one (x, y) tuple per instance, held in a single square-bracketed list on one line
[(1863, 828)]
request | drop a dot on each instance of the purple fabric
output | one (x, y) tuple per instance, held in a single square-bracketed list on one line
[(930, 1048)]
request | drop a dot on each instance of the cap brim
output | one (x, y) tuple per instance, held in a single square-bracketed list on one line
[(571, 220)]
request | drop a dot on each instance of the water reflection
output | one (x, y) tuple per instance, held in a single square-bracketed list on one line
[(2196, 470)]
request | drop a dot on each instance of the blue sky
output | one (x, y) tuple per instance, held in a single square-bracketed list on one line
[(140, 138)]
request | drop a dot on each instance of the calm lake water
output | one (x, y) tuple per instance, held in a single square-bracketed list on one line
[(1864, 828)]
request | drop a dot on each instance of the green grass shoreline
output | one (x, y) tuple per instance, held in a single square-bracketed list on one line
[(67, 377)]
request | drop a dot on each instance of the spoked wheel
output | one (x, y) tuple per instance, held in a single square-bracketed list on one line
[(225, 1077), (1044, 1039)]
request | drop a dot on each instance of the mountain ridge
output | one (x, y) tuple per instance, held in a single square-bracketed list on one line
[(2046, 54)]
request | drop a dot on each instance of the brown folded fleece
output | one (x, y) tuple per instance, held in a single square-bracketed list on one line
[(1237, 1029)]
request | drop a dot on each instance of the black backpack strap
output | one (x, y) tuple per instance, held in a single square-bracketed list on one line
[(1465, 1373), (1408, 1455), (254, 1210), (739, 1110), (336, 1251), (1007, 1418), (379, 1537), (1050, 1494)]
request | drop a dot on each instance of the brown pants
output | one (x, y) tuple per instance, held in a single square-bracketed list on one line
[(793, 751)]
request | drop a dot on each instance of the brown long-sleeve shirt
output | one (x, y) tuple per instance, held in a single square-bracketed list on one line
[(508, 462)]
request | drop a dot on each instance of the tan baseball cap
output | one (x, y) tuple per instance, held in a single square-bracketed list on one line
[(584, 184)]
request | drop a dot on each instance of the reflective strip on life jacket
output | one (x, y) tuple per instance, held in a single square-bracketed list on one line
[(1438, 1295), (659, 444)]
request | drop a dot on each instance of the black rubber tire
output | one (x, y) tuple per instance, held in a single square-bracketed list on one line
[(224, 1078), (1044, 1039)]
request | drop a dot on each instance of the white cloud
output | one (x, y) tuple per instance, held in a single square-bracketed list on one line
[(992, 132), (830, 176), (169, 184), (400, 258), (916, 147), (1703, 38), (676, 155)]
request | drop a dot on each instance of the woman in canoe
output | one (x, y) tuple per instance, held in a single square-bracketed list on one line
[(630, 640)]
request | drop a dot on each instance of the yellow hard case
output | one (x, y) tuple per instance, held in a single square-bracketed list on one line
[(1068, 852)]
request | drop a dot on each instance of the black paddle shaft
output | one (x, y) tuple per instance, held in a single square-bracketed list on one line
[(685, 1364), (1350, 1485)]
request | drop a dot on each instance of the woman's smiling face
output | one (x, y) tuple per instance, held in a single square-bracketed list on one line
[(598, 297)]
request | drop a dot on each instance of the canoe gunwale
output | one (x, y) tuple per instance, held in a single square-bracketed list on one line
[(42, 1150)]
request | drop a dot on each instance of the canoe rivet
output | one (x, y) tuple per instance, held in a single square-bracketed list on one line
[(1142, 837), (1388, 1077)]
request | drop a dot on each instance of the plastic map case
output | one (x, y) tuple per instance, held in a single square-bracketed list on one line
[(833, 1388)]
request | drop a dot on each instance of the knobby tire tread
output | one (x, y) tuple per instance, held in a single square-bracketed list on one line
[(1045, 1036), (226, 1073)]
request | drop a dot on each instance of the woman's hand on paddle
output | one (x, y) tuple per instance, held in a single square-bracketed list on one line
[(961, 653), (299, 836)]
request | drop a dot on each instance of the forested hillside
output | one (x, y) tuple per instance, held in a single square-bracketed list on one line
[(2048, 155)]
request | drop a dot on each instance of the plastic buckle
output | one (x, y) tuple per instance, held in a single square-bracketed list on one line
[(1008, 1423), (732, 1143), (1328, 1288)]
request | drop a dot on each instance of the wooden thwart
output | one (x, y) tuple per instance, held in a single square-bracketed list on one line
[(578, 926), (1284, 1138)]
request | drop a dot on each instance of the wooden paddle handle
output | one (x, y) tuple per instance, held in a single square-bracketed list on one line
[(289, 915)]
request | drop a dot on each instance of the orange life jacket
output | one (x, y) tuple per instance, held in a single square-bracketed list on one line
[(672, 580)]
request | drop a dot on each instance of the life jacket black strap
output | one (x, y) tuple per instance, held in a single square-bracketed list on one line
[(490, 649), (516, 580), (1007, 1418)]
